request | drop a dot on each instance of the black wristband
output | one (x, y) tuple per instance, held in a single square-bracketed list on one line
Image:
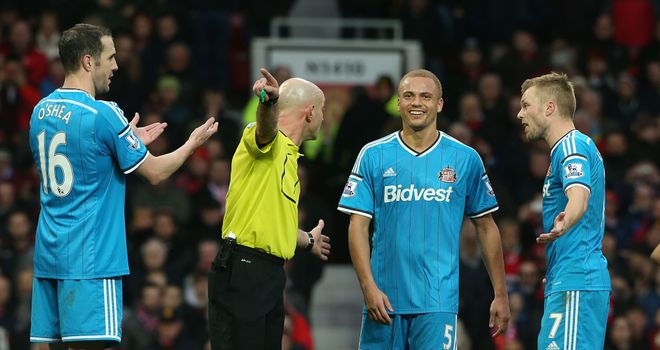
[(310, 242), (270, 102)]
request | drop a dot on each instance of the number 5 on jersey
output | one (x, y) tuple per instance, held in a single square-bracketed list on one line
[(448, 332), (55, 160)]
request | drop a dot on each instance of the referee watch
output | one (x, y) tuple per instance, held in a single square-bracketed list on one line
[(269, 102), (310, 242)]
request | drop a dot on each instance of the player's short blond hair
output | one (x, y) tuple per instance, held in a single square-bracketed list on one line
[(423, 73), (554, 86)]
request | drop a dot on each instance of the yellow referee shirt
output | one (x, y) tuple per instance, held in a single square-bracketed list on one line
[(262, 201)]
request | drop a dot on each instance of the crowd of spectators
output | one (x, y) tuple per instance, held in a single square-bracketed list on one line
[(180, 62)]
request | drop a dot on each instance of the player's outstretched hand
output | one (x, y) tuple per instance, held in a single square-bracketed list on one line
[(499, 316), (558, 229), (267, 87), (321, 246), (203, 132), (377, 304), (149, 133)]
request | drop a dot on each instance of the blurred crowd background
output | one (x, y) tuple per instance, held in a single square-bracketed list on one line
[(180, 62)]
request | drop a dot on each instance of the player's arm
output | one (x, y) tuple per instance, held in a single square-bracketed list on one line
[(267, 90), (578, 200), (157, 169), (321, 247), (655, 255), (375, 300), (491, 245)]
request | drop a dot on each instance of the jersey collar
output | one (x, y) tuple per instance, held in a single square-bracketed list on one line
[(290, 143), (552, 150), (73, 90), (415, 153)]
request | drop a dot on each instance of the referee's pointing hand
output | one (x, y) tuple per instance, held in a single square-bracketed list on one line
[(268, 84)]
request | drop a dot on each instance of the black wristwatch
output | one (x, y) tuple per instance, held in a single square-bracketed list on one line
[(310, 242), (270, 102)]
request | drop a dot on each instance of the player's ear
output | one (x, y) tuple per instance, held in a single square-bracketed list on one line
[(550, 108), (87, 63)]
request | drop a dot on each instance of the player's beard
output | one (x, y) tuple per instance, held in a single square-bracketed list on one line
[(537, 134)]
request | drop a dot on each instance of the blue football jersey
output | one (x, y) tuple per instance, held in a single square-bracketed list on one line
[(417, 202), (82, 148), (575, 260)]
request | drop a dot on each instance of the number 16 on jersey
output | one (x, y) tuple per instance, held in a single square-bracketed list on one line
[(50, 160)]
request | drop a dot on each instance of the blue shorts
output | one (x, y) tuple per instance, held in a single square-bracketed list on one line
[(435, 330), (574, 320), (76, 310)]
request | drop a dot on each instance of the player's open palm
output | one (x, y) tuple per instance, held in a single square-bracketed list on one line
[(203, 132), (377, 304), (147, 134), (558, 229)]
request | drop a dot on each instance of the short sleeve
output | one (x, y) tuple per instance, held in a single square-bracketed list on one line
[(249, 139), (118, 138), (358, 194), (575, 171), (571, 162), (480, 199)]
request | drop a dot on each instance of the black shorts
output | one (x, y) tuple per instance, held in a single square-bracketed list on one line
[(246, 310)]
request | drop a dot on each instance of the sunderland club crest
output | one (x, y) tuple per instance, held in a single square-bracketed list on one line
[(448, 174)]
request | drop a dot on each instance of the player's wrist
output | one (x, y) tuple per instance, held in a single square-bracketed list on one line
[(186, 152), (310, 241), (368, 287), (501, 294)]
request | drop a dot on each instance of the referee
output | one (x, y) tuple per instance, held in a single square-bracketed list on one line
[(260, 228)]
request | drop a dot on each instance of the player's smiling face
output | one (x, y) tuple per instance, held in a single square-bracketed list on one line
[(419, 103), (104, 67), (531, 115)]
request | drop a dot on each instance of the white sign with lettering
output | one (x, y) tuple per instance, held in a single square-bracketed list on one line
[(339, 67), (335, 61)]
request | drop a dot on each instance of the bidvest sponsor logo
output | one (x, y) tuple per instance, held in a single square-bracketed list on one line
[(397, 193), (546, 189)]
